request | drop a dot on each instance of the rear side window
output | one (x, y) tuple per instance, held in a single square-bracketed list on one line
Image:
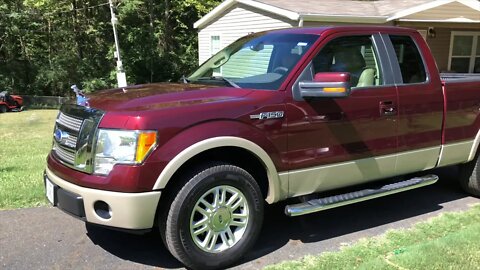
[(409, 59)]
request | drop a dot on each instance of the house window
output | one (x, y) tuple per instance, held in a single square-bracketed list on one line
[(214, 44), (214, 48), (465, 52)]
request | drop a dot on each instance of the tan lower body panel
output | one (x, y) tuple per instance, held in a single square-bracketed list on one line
[(417, 160), (128, 210), (328, 177), (456, 153)]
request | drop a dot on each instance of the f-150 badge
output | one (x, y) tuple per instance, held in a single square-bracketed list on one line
[(267, 115)]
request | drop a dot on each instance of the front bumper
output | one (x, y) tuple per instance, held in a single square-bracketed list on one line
[(132, 211)]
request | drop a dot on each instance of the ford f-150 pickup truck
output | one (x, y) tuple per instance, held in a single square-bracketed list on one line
[(302, 113)]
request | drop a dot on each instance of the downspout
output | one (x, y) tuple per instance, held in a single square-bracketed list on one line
[(300, 21)]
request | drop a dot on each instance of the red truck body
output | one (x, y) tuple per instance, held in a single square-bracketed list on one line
[(296, 146)]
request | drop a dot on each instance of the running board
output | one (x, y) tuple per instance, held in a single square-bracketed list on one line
[(357, 196)]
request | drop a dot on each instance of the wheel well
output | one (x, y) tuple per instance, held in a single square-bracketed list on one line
[(233, 155)]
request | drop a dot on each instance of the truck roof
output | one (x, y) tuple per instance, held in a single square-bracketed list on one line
[(346, 28)]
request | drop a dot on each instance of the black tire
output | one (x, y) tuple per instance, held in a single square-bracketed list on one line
[(469, 176), (3, 109), (176, 226)]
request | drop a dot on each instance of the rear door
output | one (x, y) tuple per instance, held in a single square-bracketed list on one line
[(420, 104), (345, 141)]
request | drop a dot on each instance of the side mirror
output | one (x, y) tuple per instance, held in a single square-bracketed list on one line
[(326, 84)]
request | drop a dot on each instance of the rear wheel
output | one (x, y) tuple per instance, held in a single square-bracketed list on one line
[(469, 176), (3, 109), (215, 218)]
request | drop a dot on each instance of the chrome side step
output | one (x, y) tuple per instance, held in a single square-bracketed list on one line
[(358, 196)]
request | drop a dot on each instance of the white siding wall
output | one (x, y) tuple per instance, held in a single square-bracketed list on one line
[(237, 22)]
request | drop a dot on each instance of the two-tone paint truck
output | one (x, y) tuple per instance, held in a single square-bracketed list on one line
[(291, 113)]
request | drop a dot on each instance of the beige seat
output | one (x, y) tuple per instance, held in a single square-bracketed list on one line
[(367, 78), (351, 60)]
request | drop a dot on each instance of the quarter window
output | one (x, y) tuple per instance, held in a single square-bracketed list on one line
[(354, 54), (409, 59)]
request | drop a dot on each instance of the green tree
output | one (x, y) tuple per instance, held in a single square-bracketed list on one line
[(47, 45)]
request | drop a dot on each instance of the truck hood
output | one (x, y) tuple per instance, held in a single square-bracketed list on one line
[(160, 96)]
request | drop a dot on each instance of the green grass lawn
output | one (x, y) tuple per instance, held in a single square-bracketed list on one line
[(450, 241), (25, 140)]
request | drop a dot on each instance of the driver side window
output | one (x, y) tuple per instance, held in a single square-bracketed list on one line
[(355, 55)]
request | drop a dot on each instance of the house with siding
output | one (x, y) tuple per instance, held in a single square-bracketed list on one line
[(450, 27)]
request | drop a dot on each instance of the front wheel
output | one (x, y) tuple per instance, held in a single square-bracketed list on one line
[(215, 218)]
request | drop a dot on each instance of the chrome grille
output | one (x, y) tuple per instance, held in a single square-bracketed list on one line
[(74, 135), (64, 154), (71, 141), (65, 147), (70, 122)]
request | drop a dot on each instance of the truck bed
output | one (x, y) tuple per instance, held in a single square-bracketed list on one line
[(462, 94)]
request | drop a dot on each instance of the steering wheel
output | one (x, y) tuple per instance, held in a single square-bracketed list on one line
[(280, 70)]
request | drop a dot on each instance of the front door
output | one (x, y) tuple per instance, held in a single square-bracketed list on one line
[(344, 141)]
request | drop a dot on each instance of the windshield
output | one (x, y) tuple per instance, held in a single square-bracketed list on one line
[(258, 61)]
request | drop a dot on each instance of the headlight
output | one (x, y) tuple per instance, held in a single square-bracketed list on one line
[(122, 147)]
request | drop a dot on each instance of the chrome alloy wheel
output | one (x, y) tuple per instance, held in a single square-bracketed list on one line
[(219, 219)]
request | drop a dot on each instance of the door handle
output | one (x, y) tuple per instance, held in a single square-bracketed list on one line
[(387, 108)]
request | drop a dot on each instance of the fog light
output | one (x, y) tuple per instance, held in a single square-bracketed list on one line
[(102, 209)]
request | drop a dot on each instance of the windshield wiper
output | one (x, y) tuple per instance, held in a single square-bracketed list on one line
[(220, 78)]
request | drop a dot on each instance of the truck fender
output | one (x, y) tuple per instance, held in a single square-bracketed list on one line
[(274, 189), (474, 149)]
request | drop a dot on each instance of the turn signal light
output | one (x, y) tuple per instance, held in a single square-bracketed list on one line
[(146, 142), (334, 89)]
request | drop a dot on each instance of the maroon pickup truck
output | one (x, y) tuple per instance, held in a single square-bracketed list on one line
[(275, 115)]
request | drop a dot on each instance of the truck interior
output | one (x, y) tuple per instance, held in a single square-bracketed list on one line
[(350, 54)]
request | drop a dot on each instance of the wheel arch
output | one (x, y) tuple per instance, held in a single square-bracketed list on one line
[(474, 149), (230, 149)]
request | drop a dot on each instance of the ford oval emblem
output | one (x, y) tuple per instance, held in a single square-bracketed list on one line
[(60, 135)]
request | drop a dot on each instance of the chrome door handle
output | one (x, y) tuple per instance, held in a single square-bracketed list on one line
[(387, 108)]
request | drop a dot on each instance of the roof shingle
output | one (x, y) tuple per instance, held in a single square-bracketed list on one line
[(345, 7)]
